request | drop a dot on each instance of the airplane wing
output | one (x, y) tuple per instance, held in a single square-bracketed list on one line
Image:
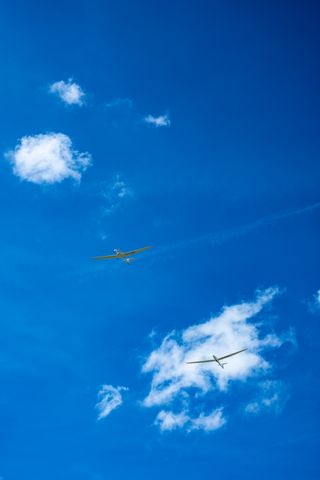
[(202, 361), (104, 257), (231, 354), (138, 250)]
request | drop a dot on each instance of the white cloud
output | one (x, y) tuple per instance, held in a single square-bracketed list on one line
[(69, 92), (161, 121), (210, 422), (109, 398), (48, 158), (228, 332), (168, 421), (272, 398), (233, 329), (314, 304), (114, 194)]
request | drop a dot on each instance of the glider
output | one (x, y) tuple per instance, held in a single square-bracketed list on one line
[(217, 360), (125, 256)]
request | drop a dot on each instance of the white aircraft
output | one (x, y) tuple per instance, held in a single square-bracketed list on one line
[(217, 360), (125, 256)]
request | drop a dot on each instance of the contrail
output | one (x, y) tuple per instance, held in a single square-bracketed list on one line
[(225, 235)]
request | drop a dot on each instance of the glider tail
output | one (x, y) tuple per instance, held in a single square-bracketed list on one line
[(218, 362)]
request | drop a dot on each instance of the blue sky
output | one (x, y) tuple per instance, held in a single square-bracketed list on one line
[(193, 128)]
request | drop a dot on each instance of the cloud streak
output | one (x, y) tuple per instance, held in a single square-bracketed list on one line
[(219, 238)]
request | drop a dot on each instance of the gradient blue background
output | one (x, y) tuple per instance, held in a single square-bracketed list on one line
[(240, 81)]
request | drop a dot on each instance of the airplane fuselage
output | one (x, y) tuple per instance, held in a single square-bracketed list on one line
[(119, 254), (124, 256), (218, 362)]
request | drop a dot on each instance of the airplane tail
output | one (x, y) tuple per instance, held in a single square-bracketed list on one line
[(218, 362), (128, 261)]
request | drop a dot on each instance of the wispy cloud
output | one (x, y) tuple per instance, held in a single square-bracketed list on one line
[(69, 92), (114, 193), (224, 236), (122, 110), (109, 398), (174, 381), (272, 397), (168, 421), (210, 422), (314, 304), (160, 121), (119, 102), (47, 158)]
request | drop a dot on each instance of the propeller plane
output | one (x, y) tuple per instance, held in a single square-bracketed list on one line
[(125, 256)]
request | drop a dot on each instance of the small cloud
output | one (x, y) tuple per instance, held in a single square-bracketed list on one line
[(114, 194), (109, 398), (47, 158), (210, 422), (69, 92), (103, 236), (152, 334), (161, 121), (168, 421), (119, 102), (272, 398), (314, 304)]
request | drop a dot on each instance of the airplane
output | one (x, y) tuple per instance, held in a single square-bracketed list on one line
[(217, 360), (125, 256)]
